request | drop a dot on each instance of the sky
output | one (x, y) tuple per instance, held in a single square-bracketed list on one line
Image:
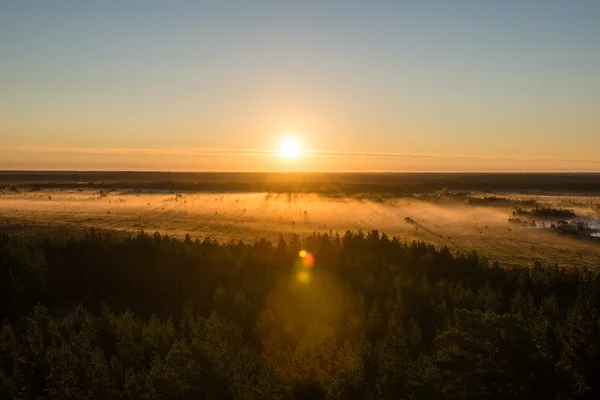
[(364, 85)]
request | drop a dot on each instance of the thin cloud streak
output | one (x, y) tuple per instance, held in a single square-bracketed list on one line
[(154, 151), (440, 156), (158, 151)]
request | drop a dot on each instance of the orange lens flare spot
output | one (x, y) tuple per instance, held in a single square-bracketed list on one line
[(309, 260)]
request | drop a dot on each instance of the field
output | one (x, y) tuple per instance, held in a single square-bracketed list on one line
[(239, 209)]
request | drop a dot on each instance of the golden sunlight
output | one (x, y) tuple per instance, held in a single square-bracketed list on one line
[(290, 147)]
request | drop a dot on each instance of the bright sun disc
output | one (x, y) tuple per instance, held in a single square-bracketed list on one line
[(290, 147)]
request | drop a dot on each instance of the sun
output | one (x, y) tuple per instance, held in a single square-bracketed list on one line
[(290, 147)]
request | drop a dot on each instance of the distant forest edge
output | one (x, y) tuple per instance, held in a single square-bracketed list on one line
[(324, 183), (352, 316)]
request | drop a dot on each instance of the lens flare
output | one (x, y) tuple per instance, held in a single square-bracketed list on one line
[(303, 276), (308, 260)]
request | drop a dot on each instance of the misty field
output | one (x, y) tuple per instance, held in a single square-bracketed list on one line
[(442, 220)]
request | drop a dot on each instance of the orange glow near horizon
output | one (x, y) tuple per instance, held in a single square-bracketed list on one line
[(215, 88)]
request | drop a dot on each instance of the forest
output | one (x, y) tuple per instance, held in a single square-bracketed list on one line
[(107, 315), (327, 184)]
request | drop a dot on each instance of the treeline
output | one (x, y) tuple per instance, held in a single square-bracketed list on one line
[(397, 184), (574, 228), (359, 316), (546, 212), (495, 201)]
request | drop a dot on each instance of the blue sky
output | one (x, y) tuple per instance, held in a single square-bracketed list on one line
[(508, 81)]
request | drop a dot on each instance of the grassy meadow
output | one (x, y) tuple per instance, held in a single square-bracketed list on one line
[(463, 222)]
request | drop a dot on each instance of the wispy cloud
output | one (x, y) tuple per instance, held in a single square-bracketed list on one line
[(443, 156), (154, 151)]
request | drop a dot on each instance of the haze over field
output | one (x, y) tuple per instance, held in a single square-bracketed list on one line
[(252, 216)]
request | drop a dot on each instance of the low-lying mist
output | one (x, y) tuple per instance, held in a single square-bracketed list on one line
[(462, 222)]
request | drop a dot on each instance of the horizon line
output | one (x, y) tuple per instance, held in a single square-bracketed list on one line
[(173, 151), (508, 172)]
